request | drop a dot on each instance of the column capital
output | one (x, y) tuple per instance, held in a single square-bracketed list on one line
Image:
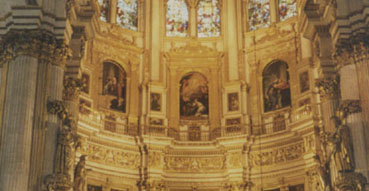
[(329, 87), (39, 44), (72, 87), (348, 107)]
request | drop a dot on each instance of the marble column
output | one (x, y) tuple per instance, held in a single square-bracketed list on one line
[(55, 90), (17, 123), (351, 103)]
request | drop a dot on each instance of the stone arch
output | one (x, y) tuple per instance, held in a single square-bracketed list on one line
[(276, 86)]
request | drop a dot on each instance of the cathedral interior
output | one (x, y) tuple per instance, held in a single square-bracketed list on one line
[(184, 95)]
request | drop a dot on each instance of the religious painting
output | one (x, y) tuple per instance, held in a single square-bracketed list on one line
[(155, 102), (287, 9), (84, 107), (208, 18), (299, 187), (304, 82), (194, 96), (127, 14), (104, 9), (114, 86), (86, 83), (233, 103), (276, 88), (94, 188), (259, 14), (177, 18)]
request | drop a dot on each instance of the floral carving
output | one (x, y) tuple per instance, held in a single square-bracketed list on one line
[(40, 44), (329, 87), (279, 155), (72, 87), (193, 164)]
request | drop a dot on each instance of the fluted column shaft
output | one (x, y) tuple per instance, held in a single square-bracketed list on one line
[(17, 123), (350, 96)]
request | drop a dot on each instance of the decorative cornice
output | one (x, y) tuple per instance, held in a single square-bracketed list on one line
[(329, 87), (39, 44), (352, 51)]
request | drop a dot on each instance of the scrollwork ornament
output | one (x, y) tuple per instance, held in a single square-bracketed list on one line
[(58, 108), (329, 88), (57, 181)]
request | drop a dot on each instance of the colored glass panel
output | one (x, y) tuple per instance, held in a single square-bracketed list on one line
[(104, 9), (208, 18), (177, 18), (259, 14), (127, 14), (287, 9)]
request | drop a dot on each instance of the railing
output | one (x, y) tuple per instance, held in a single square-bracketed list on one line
[(272, 123)]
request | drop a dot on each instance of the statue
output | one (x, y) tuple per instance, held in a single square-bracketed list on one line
[(80, 175), (342, 154), (323, 172)]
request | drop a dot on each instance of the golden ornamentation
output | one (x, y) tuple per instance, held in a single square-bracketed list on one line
[(155, 160), (193, 164), (80, 175), (276, 156), (58, 108), (235, 160), (40, 44), (329, 87), (109, 156), (72, 88)]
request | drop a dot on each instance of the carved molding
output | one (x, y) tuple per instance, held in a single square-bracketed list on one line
[(277, 156), (40, 44), (194, 164), (329, 87), (110, 156)]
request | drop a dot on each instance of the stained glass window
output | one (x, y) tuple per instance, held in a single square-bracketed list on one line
[(259, 14), (177, 18), (208, 18), (287, 9), (104, 8), (127, 12)]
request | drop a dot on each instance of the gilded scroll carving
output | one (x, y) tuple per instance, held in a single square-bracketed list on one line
[(348, 107), (194, 164), (235, 160), (155, 160), (109, 156), (279, 155)]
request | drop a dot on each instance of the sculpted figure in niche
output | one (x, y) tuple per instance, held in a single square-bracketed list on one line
[(194, 96), (114, 86), (276, 88)]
